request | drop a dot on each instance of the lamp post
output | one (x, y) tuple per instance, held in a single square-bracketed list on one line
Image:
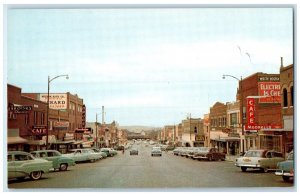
[(96, 143), (242, 106), (49, 81)]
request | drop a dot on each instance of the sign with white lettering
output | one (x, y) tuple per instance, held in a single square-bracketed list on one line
[(39, 130), (250, 111), (57, 101), (270, 91), (20, 109), (61, 124)]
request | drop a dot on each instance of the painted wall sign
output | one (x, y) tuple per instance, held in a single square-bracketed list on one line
[(57, 101), (271, 90)]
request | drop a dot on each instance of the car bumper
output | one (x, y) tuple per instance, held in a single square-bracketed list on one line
[(283, 173), (248, 165)]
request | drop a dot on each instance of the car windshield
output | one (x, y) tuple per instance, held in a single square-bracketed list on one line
[(290, 156), (253, 154)]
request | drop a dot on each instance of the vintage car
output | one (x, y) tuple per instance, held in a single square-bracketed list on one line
[(156, 151), (286, 168), (80, 155), (109, 151), (134, 151), (103, 154), (58, 161), (22, 164), (264, 160), (208, 153)]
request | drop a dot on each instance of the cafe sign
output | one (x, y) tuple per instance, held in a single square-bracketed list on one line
[(39, 130)]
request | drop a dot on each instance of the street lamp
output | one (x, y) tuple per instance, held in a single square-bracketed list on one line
[(50, 80), (242, 106), (96, 143)]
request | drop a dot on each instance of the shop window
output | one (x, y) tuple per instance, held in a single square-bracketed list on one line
[(195, 130), (285, 98), (292, 95)]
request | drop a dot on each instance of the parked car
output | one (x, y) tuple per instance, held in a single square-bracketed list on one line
[(58, 161), (156, 151), (109, 151), (22, 164), (286, 168), (209, 153), (80, 155), (96, 150), (134, 151), (264, 160), (120, 148), (176, 151)]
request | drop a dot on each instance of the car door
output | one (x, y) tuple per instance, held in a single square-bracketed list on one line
[(277, 157), (21, 165), (268, 160), (79, 156), (53, 156), (11, 167)]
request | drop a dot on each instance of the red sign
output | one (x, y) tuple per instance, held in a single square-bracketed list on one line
[(258, 127), (271, 91), (250, 111), (61, 124), (39, 130)]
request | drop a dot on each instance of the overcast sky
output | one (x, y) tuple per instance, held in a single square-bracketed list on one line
[(146, 66)]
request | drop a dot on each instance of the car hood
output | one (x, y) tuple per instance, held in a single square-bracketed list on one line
[(286, 165)]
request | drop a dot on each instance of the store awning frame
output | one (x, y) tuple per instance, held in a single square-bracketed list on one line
[(16, 140)]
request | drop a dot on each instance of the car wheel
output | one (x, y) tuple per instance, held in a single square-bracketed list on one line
[(35, 175), (286, 178), (92, 160), (265, 170), (63, 167), (243, 169)]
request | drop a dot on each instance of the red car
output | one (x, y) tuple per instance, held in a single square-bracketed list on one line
[(209, 153)]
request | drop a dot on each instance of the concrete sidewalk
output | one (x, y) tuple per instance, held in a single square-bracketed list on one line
[(232, 158)]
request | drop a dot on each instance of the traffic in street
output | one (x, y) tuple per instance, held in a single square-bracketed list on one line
[(143, 171)]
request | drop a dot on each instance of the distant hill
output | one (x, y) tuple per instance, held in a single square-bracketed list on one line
[(139, 128)]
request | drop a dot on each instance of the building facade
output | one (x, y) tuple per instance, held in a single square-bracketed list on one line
[(262, 111), (287, 106)]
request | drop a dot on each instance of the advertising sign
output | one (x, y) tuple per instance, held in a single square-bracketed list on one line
[(258, 127), (250, 111), (271, 90), (57, 101), (39, 130), (61, 124), (20, 109)]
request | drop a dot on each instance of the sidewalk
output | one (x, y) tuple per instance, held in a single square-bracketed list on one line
[(232, 158)]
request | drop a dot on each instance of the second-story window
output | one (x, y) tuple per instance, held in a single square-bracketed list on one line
[(42, 118), (285, 98), (35, 118), (26, 119), (292, 95)]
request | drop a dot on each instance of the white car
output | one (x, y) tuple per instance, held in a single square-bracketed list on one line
[(80, 155), (259, 159), (156, 151)]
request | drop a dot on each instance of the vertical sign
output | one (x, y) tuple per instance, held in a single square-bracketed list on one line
[(250, 111)]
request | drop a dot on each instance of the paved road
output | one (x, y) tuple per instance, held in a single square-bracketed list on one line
[(125, 172)]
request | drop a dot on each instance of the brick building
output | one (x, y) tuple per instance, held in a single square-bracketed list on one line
[(287, 106), (32, 124), (261, 111), (26, 120)]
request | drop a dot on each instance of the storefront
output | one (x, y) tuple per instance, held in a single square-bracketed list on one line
[(14, 141), (279, 140)]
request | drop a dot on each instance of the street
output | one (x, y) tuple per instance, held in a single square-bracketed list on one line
[(143, 171)]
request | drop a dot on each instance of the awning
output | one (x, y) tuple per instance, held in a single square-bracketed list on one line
[(36, 142), (16, 140), (227, 139), (63, 142)]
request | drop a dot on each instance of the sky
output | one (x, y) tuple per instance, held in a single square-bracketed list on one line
[(146, 66)]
